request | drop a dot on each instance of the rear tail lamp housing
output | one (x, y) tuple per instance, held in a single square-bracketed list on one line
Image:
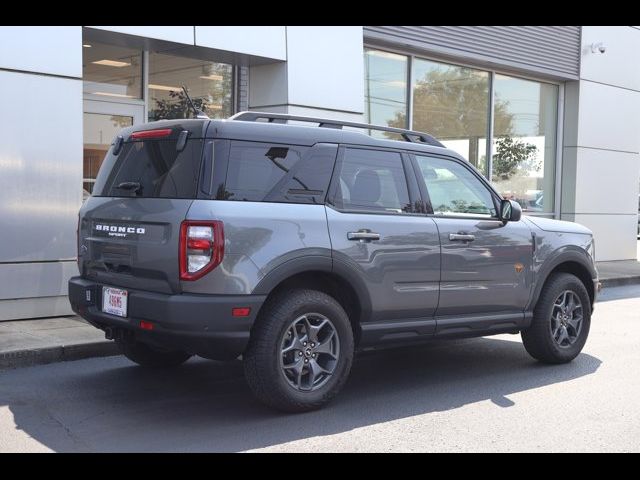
[(201, 248)]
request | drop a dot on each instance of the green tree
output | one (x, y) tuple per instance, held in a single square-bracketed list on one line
[(512, 155), (453, 103)]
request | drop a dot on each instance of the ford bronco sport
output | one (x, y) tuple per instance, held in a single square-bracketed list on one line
[(295, 245)]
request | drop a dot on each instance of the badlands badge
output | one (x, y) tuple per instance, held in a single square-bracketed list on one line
[(519, 267)]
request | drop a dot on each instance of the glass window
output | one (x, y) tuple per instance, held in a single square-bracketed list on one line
[(453, 189), (385, 89), (156, 165), (372, 180), (210, 86), (524, 144), (111, 71), (98, 131), (262, 172), (452, 103)]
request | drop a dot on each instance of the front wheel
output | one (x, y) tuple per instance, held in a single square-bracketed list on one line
[(561, 320), (300, 352)]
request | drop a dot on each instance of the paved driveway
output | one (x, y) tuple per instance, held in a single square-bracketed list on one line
[(472, 395)]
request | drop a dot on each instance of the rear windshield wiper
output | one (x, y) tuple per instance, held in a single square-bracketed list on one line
[(133, 186)]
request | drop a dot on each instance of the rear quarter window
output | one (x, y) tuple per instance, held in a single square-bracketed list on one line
[(261, 172)]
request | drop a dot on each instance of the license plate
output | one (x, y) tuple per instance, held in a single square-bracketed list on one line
[(114, 301)]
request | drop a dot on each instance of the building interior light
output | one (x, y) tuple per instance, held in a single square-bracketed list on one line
[(167, 88), (214, 107), (212, 77), (107, 94), (86, 45), (112, 63)]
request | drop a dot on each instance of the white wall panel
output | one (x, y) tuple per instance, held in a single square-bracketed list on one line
[(325, 67), (42, 49), (609, 117), (615, 235), (263, 41), (607, 182), (619, 65)]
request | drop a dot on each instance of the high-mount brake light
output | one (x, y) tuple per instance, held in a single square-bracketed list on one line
[(201, 248), (159, 133)]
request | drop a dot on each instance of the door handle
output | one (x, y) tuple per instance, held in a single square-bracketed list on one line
[(461, 237), (363, 235)]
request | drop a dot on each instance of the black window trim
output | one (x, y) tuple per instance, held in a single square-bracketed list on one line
[(495, 196), (414, 195)]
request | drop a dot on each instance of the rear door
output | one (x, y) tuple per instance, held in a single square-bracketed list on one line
[(377, 231), (129, 228)]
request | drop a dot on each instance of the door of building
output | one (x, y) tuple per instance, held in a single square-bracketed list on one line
[(101, 123)]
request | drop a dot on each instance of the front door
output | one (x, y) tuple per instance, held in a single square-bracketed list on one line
[(375, 233), (101, 123), (486, 264)]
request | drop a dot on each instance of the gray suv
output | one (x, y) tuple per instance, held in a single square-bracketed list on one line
[(296, 245)]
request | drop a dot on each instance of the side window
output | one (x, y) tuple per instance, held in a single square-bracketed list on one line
[(262, 172), (372, 180), (453, 189)]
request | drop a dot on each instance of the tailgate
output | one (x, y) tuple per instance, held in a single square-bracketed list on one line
[(132, 242)]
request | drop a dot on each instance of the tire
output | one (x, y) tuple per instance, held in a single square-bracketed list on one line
[(281, 325), (539, 339), (152, 357)]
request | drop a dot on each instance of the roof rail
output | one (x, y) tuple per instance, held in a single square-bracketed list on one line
[(407, 135)]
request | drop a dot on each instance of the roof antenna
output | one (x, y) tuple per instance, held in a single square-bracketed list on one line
[(198, 113)]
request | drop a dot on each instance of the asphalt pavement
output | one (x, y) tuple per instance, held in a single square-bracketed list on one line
[(482, 394)]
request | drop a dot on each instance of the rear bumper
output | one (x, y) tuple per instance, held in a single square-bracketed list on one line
[(199, 324)]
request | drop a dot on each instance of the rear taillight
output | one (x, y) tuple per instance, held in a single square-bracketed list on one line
[(201, 248)]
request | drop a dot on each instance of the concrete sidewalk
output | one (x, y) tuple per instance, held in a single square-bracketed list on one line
[(47, 340), (619, 272)]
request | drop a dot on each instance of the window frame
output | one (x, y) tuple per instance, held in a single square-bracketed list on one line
[(495, 196), (413, 54), (409, 176)]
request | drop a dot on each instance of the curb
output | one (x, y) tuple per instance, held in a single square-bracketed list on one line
[(58, 353), (620, 281)]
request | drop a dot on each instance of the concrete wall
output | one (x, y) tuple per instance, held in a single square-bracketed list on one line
[(601, 161), (323, 75), (40, 167)]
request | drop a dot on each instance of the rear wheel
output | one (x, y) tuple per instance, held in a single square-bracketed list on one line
[(152, 357), (561, 320), (300, 352)]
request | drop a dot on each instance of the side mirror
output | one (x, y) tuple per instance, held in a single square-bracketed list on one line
[(510, 211)]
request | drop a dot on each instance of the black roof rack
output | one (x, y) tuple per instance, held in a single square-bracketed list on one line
[(407, 135)]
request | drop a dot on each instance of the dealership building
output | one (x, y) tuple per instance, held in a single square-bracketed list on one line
[(550, 114)]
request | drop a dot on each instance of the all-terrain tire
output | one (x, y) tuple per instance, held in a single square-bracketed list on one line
[(262, 359), (538, 339)]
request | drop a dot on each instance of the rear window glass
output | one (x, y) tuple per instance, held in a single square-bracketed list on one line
[(156, 166), (261, 172)]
